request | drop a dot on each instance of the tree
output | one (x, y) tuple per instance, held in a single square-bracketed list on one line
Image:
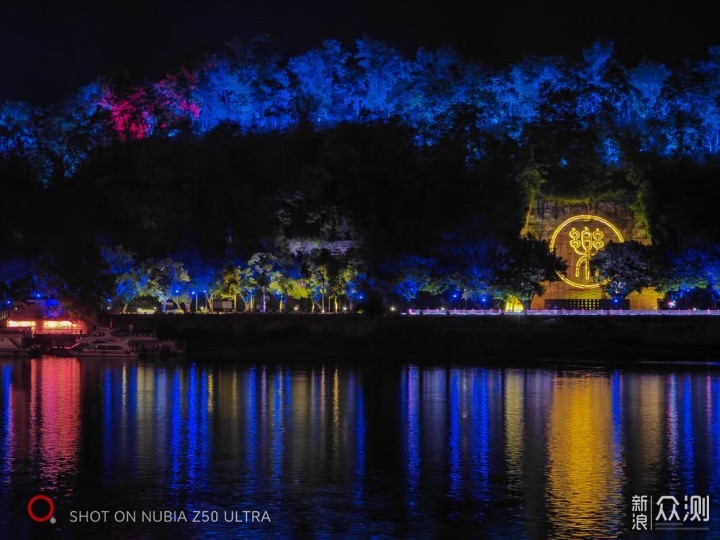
[(204, 283), (524, 266), (16, 280), (711, 271), (248, 286), (413, 275), (354, 276), (684, 272), (287, 284), (229, 282), (123, 269), (623, 268), (318, 278), (316, 78), (162, 279), (471, 268), (262, 265), (345, 282)]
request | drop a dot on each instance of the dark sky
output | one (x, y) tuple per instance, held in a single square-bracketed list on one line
[(50, 47)]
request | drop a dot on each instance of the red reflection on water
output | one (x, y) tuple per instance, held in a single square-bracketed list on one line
[(54, 417)]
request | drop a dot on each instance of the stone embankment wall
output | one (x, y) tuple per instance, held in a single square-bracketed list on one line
[(437, 339)]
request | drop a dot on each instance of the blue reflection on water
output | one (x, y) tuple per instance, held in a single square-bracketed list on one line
[(454, 439), (412, 443), (688, 462), (311, 443), (672, 432), (108, 425), (204, 425), (480, 434), (714, 434), (7, 442), (359, 446), (132, 419), (277, 433), (176, 423), (192, 427), (252, 428), (160, 391), (288, 390)]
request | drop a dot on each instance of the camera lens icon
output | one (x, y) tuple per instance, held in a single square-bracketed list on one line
[(49, 516)]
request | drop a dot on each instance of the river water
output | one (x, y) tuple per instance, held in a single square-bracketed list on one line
[(132, 449)]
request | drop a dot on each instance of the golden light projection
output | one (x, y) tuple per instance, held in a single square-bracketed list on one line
[(577, 240)]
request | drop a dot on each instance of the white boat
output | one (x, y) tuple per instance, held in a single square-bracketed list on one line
[(116, 349), (122, 343), (16, 342)]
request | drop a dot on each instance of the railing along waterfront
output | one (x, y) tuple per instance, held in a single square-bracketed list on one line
[(569, 312)]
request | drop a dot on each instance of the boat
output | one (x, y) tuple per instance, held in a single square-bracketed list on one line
[(122, 343), (115, 349), (16, 342)]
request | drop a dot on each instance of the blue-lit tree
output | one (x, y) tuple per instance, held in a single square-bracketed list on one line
[(125, 272), (663, 111), (204, 283), (319, 81), (470, 267), (413, 275), (710, 271), (683, 273)]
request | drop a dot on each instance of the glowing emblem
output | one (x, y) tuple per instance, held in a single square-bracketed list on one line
[(586, 244), (580, 244)]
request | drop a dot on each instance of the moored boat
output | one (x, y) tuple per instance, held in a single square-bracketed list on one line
[(115, 349), (16, 342), (122, 343)]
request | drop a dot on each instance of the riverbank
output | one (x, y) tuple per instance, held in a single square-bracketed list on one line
[(439, 338)]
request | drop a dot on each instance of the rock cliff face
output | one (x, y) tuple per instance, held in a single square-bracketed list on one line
[(546, 215), (561, 221)]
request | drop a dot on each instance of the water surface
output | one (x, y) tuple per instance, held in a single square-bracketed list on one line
[(335, 450)]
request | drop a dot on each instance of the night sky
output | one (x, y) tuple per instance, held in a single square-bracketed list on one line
[(50, 47)]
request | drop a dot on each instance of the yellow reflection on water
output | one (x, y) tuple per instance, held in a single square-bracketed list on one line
[(584, 497), (146, 425), (514, 425)]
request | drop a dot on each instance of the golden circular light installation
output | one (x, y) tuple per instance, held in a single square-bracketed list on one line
[(582, 245)]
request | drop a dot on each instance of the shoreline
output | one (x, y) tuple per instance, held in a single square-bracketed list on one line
[(423, 339)]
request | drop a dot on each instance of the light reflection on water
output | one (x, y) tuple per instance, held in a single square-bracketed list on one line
[(334, 450), (584, 489)]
